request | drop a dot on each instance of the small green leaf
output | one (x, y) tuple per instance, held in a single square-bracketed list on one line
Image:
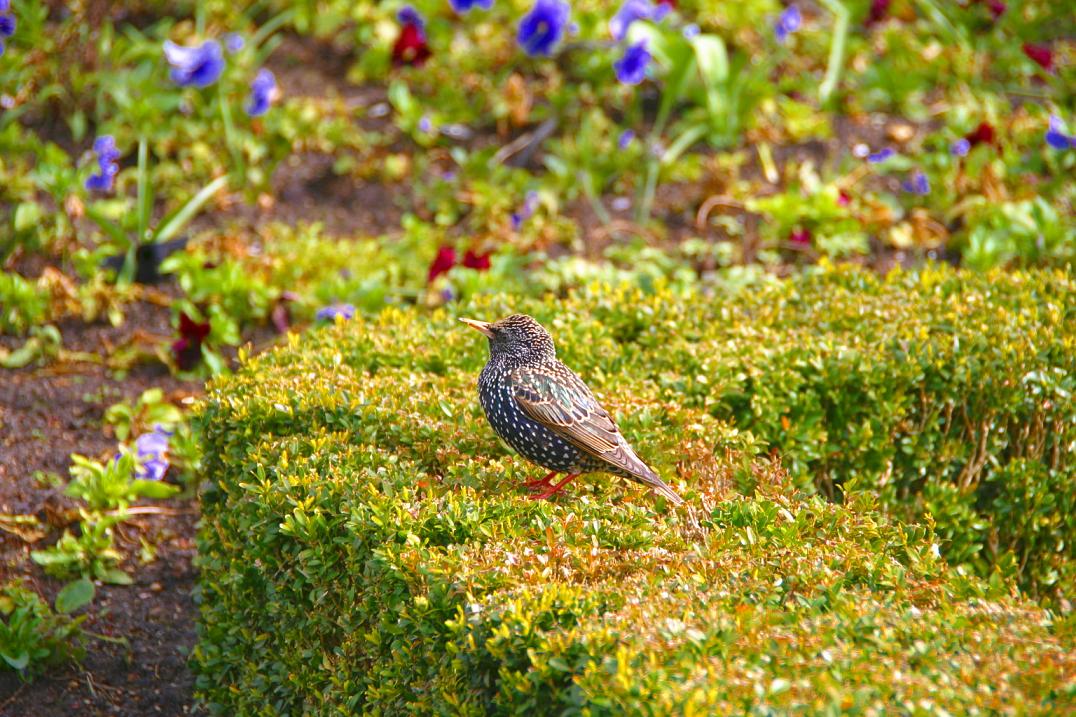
[(113, 576), (153, 489), (18, 661), (75, 595)]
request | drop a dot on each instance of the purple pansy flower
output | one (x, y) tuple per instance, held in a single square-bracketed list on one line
[(626, 138), (1056, 137), (960, 147), (465, 5), (530, 203), (631, 11), (881, 155), (234, 42), (542, 27), (788, 22), (918, 184), (151, 452), (7, 23), (332, 311), (103, 179), (408, 15), (261, 93), (195, 66), (631, 68)]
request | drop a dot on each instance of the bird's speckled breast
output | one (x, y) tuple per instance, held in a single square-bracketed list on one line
[(529, 438)]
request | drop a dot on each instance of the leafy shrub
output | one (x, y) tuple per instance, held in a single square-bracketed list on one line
[(366, 547), (22, 304), (31, 635)]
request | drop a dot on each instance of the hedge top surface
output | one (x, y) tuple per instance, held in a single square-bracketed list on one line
[(365, 547)]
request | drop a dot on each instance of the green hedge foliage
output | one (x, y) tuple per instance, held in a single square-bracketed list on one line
[(366, 547)]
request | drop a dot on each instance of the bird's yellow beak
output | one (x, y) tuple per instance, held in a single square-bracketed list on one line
[(482, 326)]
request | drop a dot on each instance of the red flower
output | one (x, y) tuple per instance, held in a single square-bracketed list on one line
[(878, 12), (445, 260), (800, 237), (983, 134), (843, 198), (997, 7), (474, 260), (187, 350), (1041, 55), (410, 47), (671, 4)]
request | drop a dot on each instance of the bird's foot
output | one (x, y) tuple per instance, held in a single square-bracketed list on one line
[(541, 483), (546, 494)]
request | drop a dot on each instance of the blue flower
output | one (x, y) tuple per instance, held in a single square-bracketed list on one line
[(408, 15), (880, 156), (234, 42), (261, 93), (631, 68), (1056, 137), (465, 5), (918, 184), (530, 203), (631, 11), (542, 27), (151, 451), (194, 66), (425, 124), (960, 148), (334, 311), (7, 23), (787, 23), (626, 138), (107, 154), (691, 30)]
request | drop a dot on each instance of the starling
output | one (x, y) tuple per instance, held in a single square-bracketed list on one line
[(546, 412)]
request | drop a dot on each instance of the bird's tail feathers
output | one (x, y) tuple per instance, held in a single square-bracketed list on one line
[(649, 478)]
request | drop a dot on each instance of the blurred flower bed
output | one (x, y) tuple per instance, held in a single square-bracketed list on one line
[(196, 176)]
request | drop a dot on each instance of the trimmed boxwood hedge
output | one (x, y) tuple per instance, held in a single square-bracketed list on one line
[(366, 548)]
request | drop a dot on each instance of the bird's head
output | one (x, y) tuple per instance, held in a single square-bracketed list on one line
[(517, 336)]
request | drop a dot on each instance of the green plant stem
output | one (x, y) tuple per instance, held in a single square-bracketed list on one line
[(272, 25), (587, 180), (229, 134), (836, 49), (653, 164)]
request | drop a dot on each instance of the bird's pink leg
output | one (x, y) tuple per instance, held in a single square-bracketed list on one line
[(541, 482), (546, 494)]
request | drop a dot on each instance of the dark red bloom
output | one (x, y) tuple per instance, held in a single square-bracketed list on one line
[(878, 12), (671, 4), (1041, 55), (187, 350), (410, 47), (474, 260), (997, 8), (983, 134), (445, 260), (800, 237), (843, 198)]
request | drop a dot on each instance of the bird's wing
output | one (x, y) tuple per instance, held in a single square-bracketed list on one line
[(559, 400)]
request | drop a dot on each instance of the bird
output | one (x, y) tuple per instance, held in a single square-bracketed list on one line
[(544, 411)]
